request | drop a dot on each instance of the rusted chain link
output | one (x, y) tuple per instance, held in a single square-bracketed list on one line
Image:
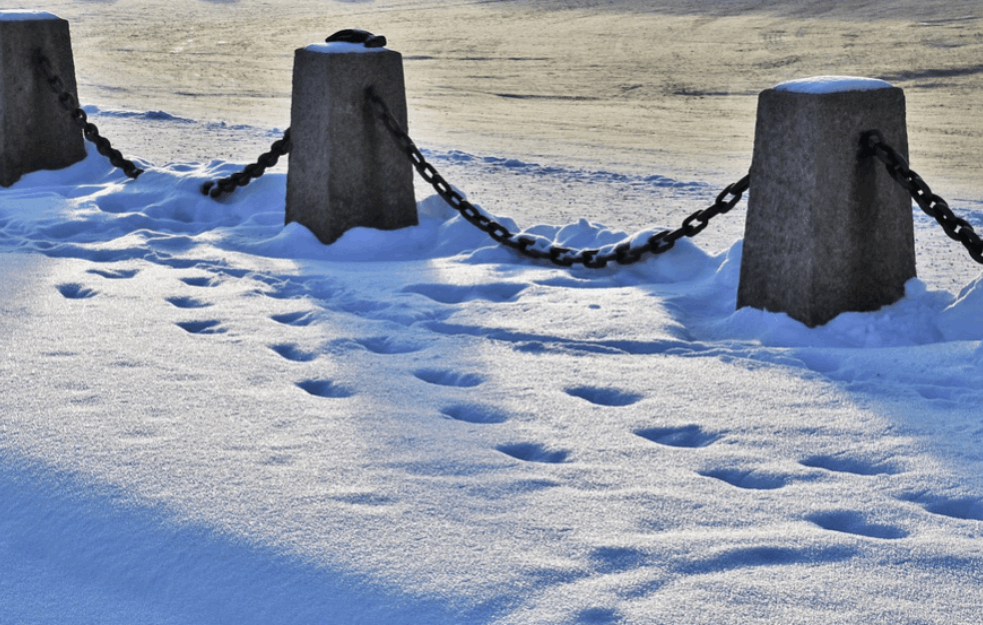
[(624, 253), (934, 206), (280, 147), (70, 103)]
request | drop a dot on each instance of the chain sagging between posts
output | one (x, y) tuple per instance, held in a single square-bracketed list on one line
[(629, 251), (625, 253), (70, 103), (934, 206), (280, 147)]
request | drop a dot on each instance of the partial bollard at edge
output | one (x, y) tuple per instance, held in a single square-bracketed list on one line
[(345, 171), (35, 131), (828, 230)]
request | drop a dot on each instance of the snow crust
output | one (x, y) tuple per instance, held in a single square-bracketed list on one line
[(832, 84), (208, 417), (25, 16)]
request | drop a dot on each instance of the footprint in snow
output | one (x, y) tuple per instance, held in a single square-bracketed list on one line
[(853, 522), (604, 396), (187, 302), (74, 290), (442, 377), (390, 345), (475, 413), (748, 478), (691, 436), (845, 464), (115, 274), (302, 318), (598, 616), (326, 389), (965, 508), (289, 351), (534, 452), (730, 559), (203, 281), (210, 326)]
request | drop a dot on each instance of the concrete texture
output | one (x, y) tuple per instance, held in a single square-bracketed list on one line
[(828, 230), (35, 131), (345, 170)]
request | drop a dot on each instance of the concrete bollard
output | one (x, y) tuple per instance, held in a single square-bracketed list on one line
[(345, 170), (35, 131), (828, 230)]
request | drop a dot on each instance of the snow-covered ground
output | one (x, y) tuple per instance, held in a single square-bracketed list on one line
[(207, 417)]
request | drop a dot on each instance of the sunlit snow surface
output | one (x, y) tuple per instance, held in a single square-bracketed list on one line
[(208, 417), (833, 84), (26, 16)]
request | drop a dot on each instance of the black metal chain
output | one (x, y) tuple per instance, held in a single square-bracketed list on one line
[(934, 206), (70, 103), (623, 253), (280, 147)]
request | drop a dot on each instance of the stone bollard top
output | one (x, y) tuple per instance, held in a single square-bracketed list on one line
[(832, 84), (26, 16), (341, 47)]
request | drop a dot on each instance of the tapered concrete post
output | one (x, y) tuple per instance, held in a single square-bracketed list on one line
[(35, 131), (345, 170), (828, 230)]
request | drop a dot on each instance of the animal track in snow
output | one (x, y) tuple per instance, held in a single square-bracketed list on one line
[(73, 290), (604, 396), (293, 352), (442, 377), (534, 452), (187, 302), (683, 436), (852, 522), (846, 464), (475, 413), (390, 345), (203, 281), (115, 274), (748, 478), (302, 318), (211, 326), (325, 388), (455, 294)]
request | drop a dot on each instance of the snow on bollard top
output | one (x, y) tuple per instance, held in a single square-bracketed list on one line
[(26, 16), (833, 84), (341, 47)]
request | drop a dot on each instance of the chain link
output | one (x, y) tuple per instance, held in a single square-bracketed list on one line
[(624, 253), (934, 206), (280, 147), (70, 103)]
